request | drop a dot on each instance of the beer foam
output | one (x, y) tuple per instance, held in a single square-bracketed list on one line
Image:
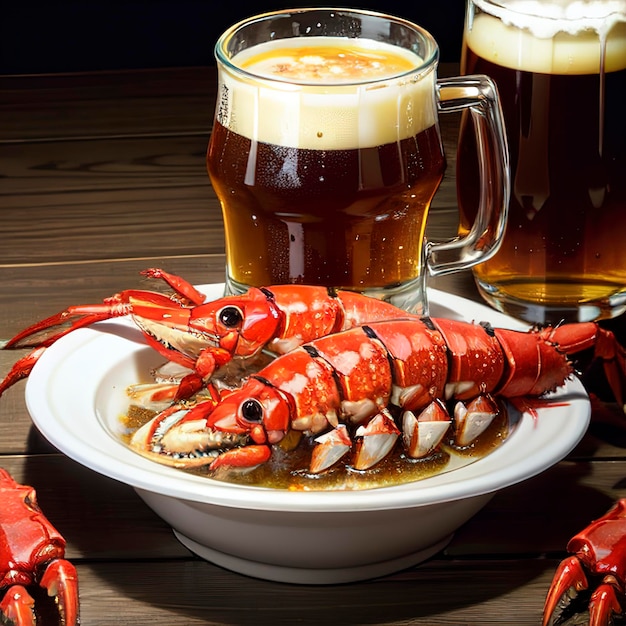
[(554, 37), (327, 93), (329, 64)]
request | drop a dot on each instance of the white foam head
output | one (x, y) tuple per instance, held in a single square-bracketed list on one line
[(317, 100), (553, 36)]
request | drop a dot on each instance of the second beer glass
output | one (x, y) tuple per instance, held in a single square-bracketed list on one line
[(561, 72), (326, 153)]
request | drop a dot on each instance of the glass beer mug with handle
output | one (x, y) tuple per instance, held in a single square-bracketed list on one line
[(326, 153), (560, 68)]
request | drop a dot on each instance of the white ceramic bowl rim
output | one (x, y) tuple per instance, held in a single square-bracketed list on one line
[(66, 413)]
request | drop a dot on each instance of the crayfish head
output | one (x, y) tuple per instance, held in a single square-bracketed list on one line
[(258, 409), (242, 325)]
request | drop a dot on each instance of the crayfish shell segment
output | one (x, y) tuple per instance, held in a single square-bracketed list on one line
[(475, 358), (330, 448), (422, 434), (472, 420), (419, 361), (375, 440)]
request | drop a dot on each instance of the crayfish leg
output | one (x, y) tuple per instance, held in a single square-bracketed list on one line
[(603, 605), (573, 338), (17, 607), (330, 448), (472, 420), (376, 440), (569, 580), (424, 432), (178, 284), (60, 580)]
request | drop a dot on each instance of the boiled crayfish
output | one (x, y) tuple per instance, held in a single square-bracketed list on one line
[(597, 565), (203, 336), (340, 389), (31, 551)]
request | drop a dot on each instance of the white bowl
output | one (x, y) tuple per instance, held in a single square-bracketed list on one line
[(317, 537)]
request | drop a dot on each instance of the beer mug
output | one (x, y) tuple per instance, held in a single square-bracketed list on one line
[(326, 153), (560, 68)]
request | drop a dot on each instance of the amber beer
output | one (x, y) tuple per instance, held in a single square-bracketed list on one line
[(325, 185), (563, 93)]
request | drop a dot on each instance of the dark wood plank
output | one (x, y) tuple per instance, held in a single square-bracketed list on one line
[(104, 104), (91, 226), (473, 593), (36, 169)]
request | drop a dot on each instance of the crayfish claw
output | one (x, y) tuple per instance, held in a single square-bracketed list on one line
[(603, 605), (60, 580), (244, 458), (569, 580), (179, 437), (17, 607)]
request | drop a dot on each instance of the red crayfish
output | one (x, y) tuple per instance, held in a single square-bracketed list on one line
[(339, 388), (599, 558), (203, 336), (31, 551)]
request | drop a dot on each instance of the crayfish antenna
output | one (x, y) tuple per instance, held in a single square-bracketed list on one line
[(64, 317), (21, 369)]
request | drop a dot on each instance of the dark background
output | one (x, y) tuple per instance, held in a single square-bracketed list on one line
[(84, 35)]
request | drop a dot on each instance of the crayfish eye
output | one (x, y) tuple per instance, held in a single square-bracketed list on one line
[(230, 316), (252, 411)]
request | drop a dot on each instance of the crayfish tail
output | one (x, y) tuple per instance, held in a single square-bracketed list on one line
[(573, 338)]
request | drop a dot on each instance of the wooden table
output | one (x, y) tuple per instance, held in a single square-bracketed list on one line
[(103, 175)]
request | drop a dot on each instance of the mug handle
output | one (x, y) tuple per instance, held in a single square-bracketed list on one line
[(479, 94)]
